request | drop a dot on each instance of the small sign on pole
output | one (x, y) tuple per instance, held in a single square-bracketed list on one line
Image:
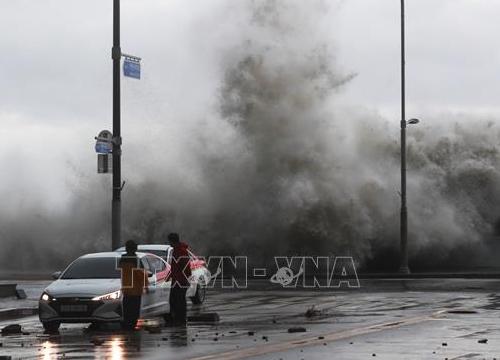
[(104, 142), (104, 150), (132, 66), (104, 163)]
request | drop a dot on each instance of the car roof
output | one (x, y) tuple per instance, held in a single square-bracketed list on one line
[(160, 247), (110, 254)]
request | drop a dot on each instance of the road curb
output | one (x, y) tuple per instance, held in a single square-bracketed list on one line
[(7, 290), (7, 314)]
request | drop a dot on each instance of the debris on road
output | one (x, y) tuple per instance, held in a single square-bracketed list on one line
[(462, 311), (312, 312), (13, 329), (21, 294), (296, 329)]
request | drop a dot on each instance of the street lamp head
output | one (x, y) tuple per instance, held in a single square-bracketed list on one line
[(413, 121)]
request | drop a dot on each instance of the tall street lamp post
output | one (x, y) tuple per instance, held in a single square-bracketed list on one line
[(404, 211), (109, 144), (117, 140)]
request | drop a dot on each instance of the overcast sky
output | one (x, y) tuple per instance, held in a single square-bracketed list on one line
[(55, 59), (55, 70), (453, 59)]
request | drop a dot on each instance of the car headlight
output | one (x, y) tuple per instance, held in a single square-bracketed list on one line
[(115, 295), (46, 297)]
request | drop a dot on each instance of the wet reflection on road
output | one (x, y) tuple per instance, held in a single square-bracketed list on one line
[(259, 319), (117, 348), (48, 350)]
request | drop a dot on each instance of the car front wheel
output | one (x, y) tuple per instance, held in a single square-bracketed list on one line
[(51, 326)]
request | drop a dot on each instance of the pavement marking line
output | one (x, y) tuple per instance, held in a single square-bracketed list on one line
[(264, 349)]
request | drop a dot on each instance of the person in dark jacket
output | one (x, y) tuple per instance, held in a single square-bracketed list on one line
[(134, 282), (180, 272)]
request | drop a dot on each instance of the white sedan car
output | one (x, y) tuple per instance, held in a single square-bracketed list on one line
[(88, 291), (200, 275)]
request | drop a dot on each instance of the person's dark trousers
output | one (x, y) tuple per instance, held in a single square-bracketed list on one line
[(178, 304), (131, 307)]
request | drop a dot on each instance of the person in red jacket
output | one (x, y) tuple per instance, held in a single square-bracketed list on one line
[(180, 272)]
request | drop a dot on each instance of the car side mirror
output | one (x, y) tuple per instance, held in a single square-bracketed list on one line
[(56, 275)]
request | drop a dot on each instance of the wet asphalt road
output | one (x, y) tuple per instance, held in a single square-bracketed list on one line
[(349, 324)]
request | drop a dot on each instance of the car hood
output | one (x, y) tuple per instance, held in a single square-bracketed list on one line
[(82, 287)]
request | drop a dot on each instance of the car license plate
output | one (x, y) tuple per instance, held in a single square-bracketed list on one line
[(73, 308)]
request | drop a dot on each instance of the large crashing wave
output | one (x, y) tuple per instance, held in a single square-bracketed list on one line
[(278, 168)]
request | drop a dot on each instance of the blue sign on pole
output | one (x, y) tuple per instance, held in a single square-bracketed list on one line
[(103, 148), (104, 143), (132, 68)]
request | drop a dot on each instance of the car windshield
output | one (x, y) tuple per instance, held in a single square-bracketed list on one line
[(160, 253), (93, 268)]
